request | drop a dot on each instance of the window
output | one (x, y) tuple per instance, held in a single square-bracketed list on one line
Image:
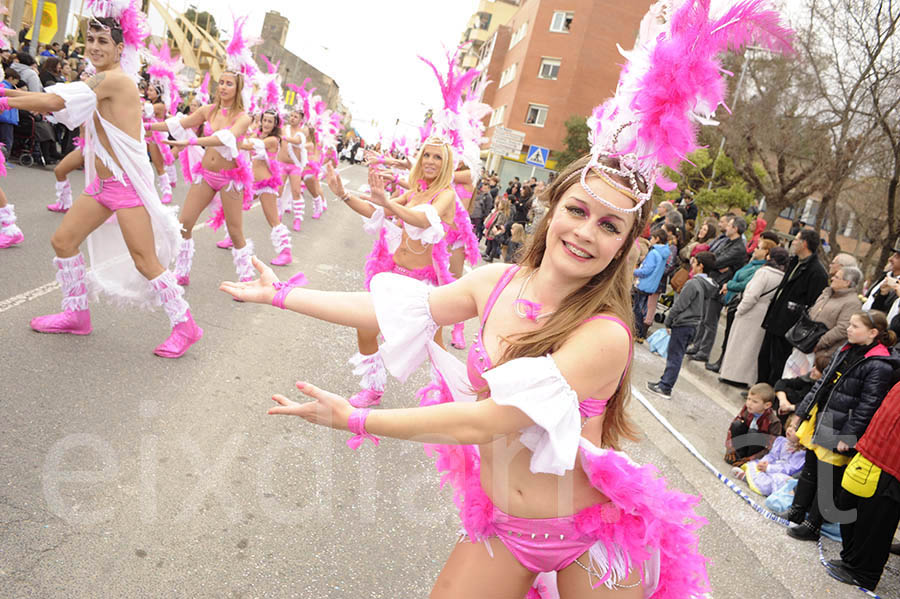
[(507, 75), (562, 21), (537, 115), (549, 68), (497, 116), (518, 34), (483, 20)]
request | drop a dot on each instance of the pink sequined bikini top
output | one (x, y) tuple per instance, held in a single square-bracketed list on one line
[(462, 192), (479, 361)]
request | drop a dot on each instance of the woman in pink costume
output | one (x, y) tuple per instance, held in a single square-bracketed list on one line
[(160, 154), (527, 429), (108, 107), (10, 233), (313, 171), (224, 169), (410, 240), (292, 158), (267, 181)]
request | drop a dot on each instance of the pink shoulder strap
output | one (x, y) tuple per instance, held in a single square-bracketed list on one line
[(627, 330), (498, 289)]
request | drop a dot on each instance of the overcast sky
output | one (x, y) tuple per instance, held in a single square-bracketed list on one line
[(368, 47)]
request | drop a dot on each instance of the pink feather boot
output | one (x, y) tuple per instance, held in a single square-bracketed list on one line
[(185, 331), (183, 262), (281, 240), (374, 377), (75, 318), (63, 197), (317, 207), (10, 233), (458, 337), (299, 205), (173, 175)]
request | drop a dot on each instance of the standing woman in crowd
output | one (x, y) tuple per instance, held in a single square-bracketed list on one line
[(834, 416), (705, 235), (738, 363)]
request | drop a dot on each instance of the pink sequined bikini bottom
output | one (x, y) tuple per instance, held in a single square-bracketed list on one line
[(220, 180), (113, 194), (426, 273)]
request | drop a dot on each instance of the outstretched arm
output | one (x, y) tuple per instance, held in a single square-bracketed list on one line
[(356, 202)]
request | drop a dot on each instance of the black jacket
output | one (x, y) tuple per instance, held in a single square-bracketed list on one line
[(731, 254), (853, 400), (803, 288)]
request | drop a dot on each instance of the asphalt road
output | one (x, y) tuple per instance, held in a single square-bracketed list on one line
[(126, 475)]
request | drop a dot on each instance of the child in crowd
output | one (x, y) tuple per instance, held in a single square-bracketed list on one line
[(754, 429), (647, 278), (790, 392), (768, 473), (683, 318), (516, 240)]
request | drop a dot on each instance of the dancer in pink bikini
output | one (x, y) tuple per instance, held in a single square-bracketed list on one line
[(267, 182), (293, 158), (527, 429), (108, 107), (224, 169), (160, 154), (410, 240)]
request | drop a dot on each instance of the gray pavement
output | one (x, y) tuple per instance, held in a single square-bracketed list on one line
[(125, 475)]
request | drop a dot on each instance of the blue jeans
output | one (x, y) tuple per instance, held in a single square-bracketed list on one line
[(678, 342), (639, 302)]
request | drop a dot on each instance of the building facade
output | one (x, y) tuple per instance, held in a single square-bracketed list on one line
[(552, 60), (491, 15)]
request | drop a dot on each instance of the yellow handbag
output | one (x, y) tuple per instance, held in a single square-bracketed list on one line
[(861, 476), (805, 433)]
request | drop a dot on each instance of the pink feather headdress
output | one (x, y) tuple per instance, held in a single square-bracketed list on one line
[(202, 94), (671, 84), (163, 70), (133, 24), (239, 58), (268, 89), (458, 122)]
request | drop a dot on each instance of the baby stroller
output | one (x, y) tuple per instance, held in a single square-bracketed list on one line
[(25, 149)]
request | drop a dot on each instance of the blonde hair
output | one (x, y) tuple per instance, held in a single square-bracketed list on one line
[(517, 233), (238, 105), (445, 178), (607, 291)]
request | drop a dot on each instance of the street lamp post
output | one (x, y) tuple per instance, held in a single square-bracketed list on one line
[(36, 27)]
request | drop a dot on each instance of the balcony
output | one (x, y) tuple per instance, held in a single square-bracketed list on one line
[(469, 61), (478, 36)]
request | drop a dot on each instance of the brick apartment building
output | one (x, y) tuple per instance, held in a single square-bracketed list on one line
[(551, 60)]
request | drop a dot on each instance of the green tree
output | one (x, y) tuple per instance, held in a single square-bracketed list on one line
[(576, 141), (203, 20), (714, 182)]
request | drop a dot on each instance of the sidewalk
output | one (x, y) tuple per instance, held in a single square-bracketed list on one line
[(701, 409)]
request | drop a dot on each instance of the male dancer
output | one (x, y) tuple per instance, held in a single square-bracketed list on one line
[(109, 107)]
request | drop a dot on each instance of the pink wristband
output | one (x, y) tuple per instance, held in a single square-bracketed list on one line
[(193, 142), (4, 103), (3, 91), (298, 280), (357, 425)]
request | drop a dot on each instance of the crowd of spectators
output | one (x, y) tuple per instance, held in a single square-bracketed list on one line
[(816, 348), (52, 64)]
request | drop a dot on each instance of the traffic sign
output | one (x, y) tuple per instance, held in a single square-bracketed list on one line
[(507, 141), (537, 156)]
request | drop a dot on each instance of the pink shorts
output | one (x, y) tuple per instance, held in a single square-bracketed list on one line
[(541, 544), (291, 169), (113, 194)]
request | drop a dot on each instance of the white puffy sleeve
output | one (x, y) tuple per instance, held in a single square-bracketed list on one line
[(175, 128), (538, 388), (435, 230), (259, 149), (404, 317), (81, 102), (372, 224), (228, 140)]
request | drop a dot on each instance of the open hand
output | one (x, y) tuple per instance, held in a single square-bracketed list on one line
[(376, 184), (842, 447), (333, 180), (327, 409), (258, 291)]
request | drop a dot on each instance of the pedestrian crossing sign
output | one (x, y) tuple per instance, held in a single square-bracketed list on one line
[(537, 156)]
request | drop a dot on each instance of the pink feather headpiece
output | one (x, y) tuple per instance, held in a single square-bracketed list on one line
[(268, 88), (163, 70), (671, 84), (239, 58), (458, 122), (202, 94), (133, 24)]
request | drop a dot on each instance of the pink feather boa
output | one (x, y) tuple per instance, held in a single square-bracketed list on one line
[(2, 161), (241, 174), (463, 230), (159, 138), (274, 182)]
